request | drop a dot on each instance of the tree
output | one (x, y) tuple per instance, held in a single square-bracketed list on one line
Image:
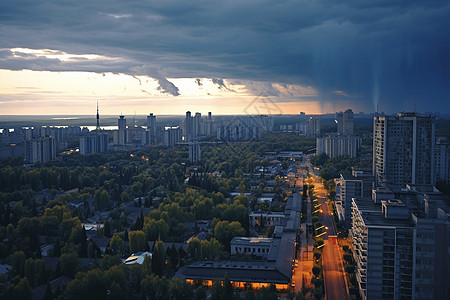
[(350, 269), (20, 290), (348, 258), (116, 244), (154, 287), (316, 270), (180, 290), (156, 229), (110, 260), (137, 241), (68, 264), (159, 258), (18, 262), (225, 231)]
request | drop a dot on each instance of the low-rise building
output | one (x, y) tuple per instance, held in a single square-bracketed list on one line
[(251, 245), (264, 218)]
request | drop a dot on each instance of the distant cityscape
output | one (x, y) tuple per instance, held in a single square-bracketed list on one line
[(383, 212)]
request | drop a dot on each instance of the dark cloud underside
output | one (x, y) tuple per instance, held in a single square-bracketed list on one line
[(391, 54)]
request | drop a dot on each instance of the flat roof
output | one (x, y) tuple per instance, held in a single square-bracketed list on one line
[(255, 271), (251, 241)]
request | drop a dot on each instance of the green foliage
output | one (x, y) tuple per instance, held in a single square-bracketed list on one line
[(159, 258), (316, 270), (201, 250), (154, 287), (156, 229), (68, 264), (35, 271), (348, 257), (138, 241), (17, 260), (110, 260), (19, 289), (317, 254), (350, 269), (225, 231)]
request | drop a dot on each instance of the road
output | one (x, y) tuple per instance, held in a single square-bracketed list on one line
[(335, 286)]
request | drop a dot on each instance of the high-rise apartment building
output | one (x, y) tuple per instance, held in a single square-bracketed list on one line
[(122, 132), (314, 126), (194, 152), (40, 149), (403, 149), (401, 252), (335, 145), (151, 129), (347, 188), (197, 125), (345, 121), (188, 127), (93, 143), (172, 136), (442, 160)]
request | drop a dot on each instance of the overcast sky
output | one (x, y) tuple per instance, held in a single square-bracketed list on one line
[(61, 56)]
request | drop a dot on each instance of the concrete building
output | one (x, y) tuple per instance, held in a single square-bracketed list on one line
[(442, 160), (151, 129), (347, 188), (314, 126), (40, 150), (338, 145), (172, 136), (365, 174), (401, 252), (251, 246), (194, 152), (93, 143), (188, 127), (197, 126), (122, 131), (264, 218), (344, 121), (403, 150)]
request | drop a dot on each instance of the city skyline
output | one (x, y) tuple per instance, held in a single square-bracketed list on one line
[(171, 57)]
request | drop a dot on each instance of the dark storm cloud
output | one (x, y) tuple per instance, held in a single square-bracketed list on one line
[(390, 54)]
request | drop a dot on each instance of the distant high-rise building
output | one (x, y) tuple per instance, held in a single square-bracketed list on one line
[(188, 127), (196, 129), (151, 128), (122, 132), (335, 145), (344, 122), (172, 136), (194, 152), (403, 149), (40, 150), (314, 126), (348, 118), (93, 143)]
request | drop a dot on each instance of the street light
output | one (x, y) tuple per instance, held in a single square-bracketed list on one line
[(319, 235)]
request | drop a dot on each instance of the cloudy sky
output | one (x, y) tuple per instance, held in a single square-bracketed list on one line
[(166, 57)]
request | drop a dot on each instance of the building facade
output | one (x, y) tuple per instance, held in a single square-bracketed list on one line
[(40, 150), (403, 149), (172, 136), (442, 160), (338, 145), (94, 143), (401, 253)]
